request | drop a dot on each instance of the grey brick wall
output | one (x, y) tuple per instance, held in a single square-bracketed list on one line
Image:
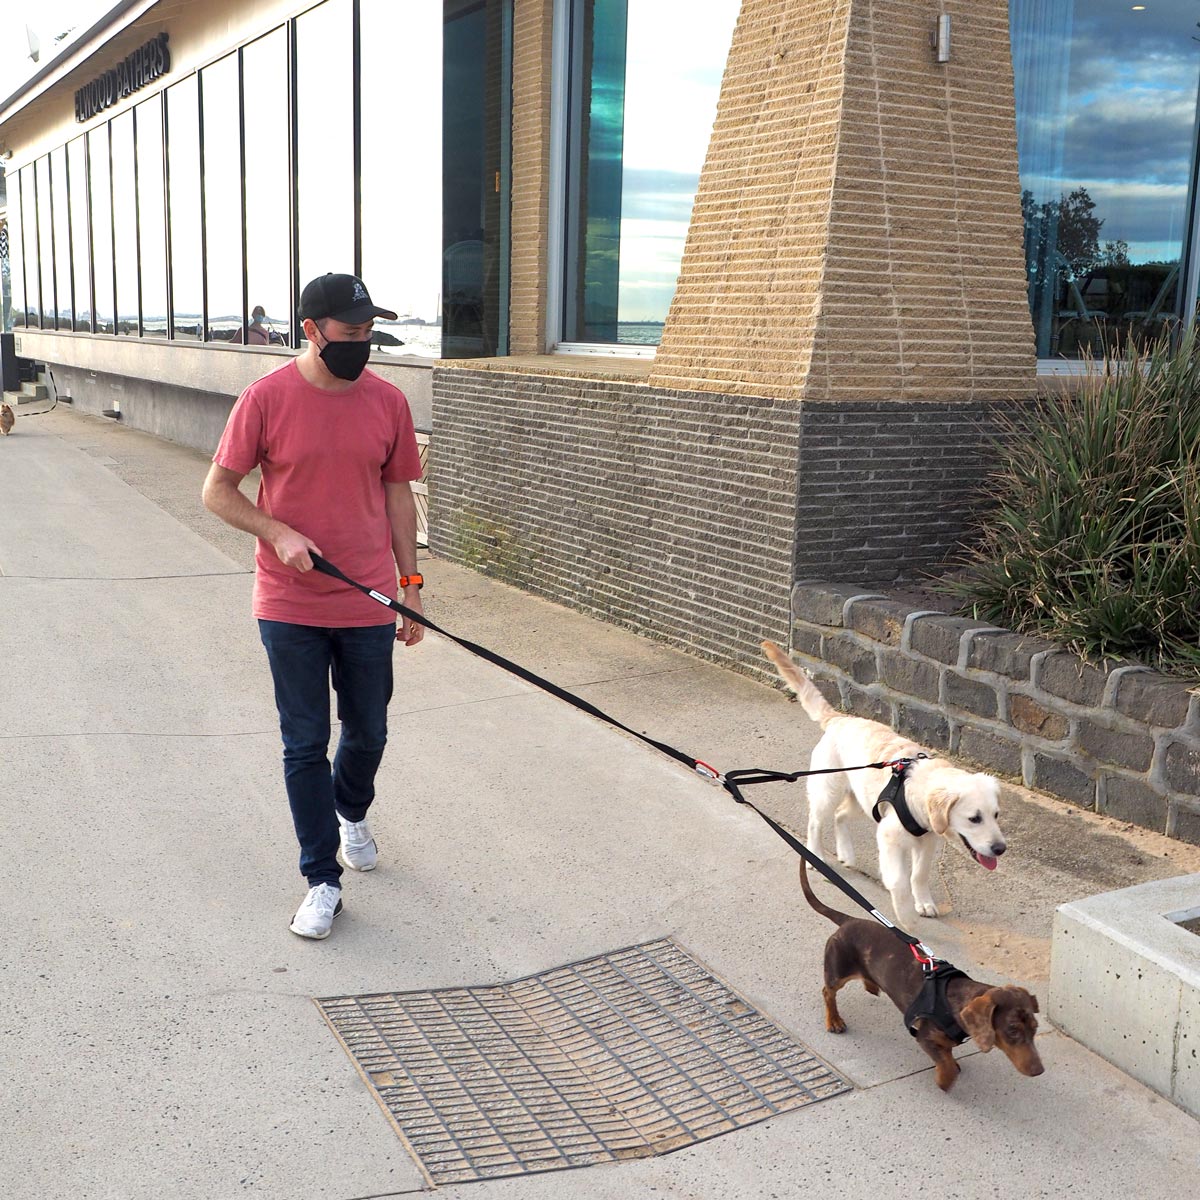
[(1117, 739), (687, 515), (886, 487), (669, 512)]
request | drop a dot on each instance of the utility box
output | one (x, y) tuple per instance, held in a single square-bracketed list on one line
[(10, 379)]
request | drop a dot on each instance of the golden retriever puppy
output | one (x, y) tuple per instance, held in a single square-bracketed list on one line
[(961, 806)]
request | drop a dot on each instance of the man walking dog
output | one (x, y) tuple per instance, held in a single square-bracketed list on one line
[(337, 451)]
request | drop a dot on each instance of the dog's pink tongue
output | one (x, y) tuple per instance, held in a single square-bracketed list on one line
[(986, 862)]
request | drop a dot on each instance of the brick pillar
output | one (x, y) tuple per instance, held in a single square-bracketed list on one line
[(857, 229), (532, 27)]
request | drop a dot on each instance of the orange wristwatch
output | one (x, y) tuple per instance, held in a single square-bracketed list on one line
[(409, 580)]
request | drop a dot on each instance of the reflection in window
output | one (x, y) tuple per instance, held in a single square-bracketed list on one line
[(45, 242), (401, 81), (81, 242), (62, 237), (152, 226), (33, 279), (325, 140), (125, 244), (1106, 108), (638, 70), (221, 95), (102, 237), (16, 256), (183, 185), (476, 54), (268, 188)]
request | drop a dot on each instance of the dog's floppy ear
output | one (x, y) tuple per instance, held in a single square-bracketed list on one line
[(938, 804), (976, 1019)]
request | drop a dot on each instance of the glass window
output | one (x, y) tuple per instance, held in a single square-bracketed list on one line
[(16, 256), (401, 82), (1106, 110), (221, 97), (81, 242), (476, 51), (102, 235), (268, 187), (325, 139), (45, 241), (637, 70), (125, 231), (62, 237), (152, 223), (33, 279), (183, 185)]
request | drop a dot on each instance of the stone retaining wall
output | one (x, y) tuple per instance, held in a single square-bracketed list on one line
[(1120, 740)]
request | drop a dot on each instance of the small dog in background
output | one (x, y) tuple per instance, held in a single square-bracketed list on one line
[(961, 806), (7, 420), (990, 1016)]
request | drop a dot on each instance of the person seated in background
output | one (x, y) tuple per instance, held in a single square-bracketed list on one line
[(257, 333)]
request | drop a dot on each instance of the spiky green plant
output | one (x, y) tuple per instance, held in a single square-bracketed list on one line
[(1092, 533)]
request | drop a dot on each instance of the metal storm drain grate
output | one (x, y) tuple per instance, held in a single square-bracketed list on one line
[(630, 1054)]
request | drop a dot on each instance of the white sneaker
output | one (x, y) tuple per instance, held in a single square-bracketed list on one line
[(358, 845), (314, 917)]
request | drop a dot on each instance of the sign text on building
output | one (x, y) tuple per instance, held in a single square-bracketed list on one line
[(141, 67)]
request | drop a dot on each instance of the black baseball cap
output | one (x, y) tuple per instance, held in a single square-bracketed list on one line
[(343, 297)]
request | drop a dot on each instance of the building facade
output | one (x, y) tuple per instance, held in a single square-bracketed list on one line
[(695, 300)]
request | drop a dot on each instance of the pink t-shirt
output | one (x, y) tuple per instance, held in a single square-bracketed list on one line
[(325, 457)]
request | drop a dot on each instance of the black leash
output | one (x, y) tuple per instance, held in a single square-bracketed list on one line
[(327, 568), (731, 781)]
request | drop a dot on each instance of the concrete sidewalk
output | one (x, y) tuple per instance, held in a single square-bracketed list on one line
[(159, 1037)]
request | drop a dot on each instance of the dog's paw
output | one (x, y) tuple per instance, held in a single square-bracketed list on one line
[(838, 1026), (847, 857), (927, 908)]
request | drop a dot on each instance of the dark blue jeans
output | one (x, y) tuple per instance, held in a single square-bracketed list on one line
[(304, 659)]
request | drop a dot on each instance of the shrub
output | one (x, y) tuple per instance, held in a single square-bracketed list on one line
[(1092, 533)]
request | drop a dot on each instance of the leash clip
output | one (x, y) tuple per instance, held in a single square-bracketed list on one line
[(709, 772), (924, 956)]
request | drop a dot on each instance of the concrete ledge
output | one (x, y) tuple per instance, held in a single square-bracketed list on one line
[(1125, 981)]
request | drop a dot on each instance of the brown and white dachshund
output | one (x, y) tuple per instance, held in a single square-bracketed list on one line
[(991, 1016)]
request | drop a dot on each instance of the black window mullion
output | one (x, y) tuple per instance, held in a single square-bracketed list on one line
[(242, 171), (168, 249), (356, 69), (294, 200), (203, 214)]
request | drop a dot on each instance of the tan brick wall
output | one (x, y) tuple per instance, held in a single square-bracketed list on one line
[(530, 174), (857, 230)]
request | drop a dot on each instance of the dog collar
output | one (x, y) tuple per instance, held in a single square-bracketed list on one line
[(893, 794)]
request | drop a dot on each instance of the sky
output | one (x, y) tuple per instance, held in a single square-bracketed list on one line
[(47, 19)]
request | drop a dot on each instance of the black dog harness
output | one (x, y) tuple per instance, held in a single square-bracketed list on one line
[(930, 1003), (893, 794)]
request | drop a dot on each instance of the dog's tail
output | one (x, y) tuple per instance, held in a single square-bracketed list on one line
[(811, 700), (838, 918)]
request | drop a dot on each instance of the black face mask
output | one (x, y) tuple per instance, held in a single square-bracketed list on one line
[(346, 360)]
